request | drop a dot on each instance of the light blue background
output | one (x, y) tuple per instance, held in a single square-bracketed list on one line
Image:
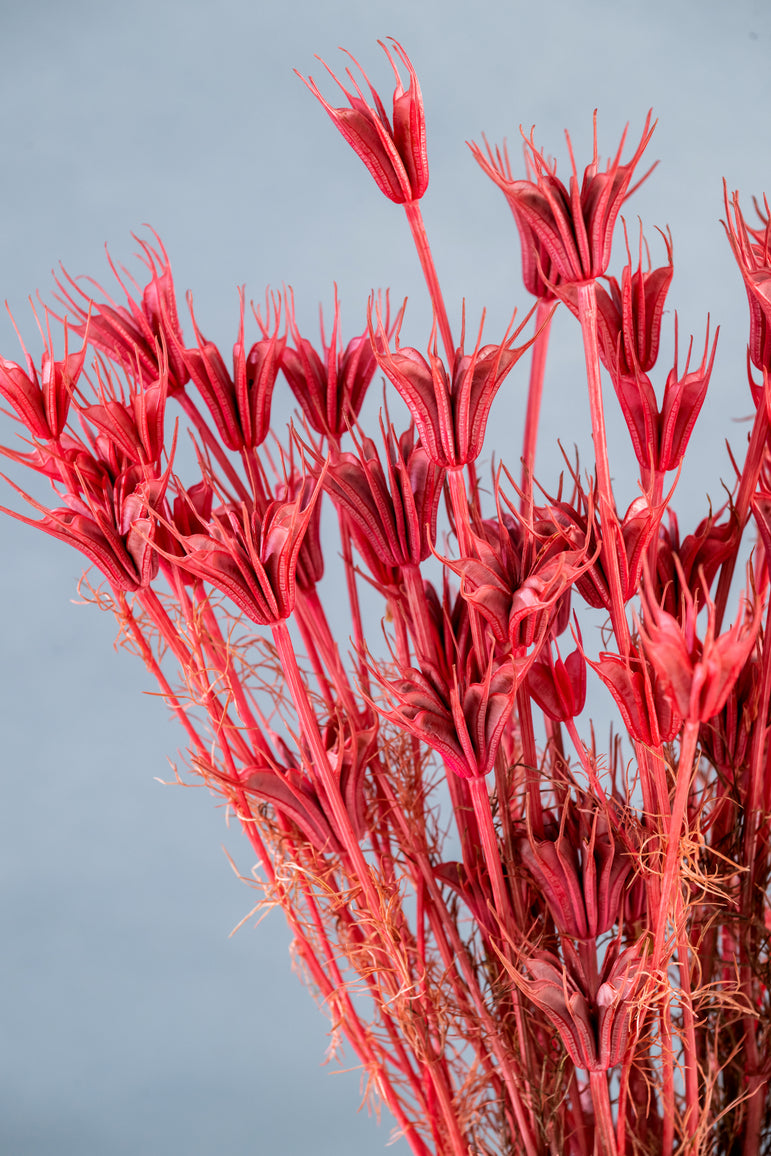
[(129, 1021)]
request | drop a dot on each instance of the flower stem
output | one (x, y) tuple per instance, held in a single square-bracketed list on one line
[(611, 536), (756, 455), (598, 1085), (673, 852), (543, 318), (420, 237)]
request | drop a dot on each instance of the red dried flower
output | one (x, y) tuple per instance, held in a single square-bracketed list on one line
[(329, 390), (559, 688), (290, 793), (539, 272), (581, 873), (649, 714), (752, 250), (310, 560), (450, 412), (252, 557), (240, 405), (727, 738), (693, 562), (189, 513), (579, 526), (135, 336), (594, 1027), (134, 429), (42, 400), (392, 515), (697, 676), (683, 399), (395, 153), (464, 722), (573, 227), (517, 582), (112, 524)]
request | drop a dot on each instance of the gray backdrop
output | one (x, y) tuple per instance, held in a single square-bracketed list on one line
[(129, 1021)]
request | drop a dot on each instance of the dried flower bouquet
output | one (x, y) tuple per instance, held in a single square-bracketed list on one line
[(532, 943)]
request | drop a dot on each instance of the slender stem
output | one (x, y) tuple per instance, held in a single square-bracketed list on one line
[(311, 650), (749, 480), (580, 1126), (312, 619), (455, 957), (655, 496), (530, 759), (690, 1053), (674, 830), (543, 317), (757, 1087), (323, 771), (667, 902), (166, 628), (753, 897), (598, 1085), (194, 666), (667, 1074), (353, 600), (420, 237), (334, 993), (611, 536), (345, 832), (459, 503), (221, 652), (492, 859), (419, 618)]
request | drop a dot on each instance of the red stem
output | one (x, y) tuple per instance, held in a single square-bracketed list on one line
[(674, 831), (611, 537), (598, 1085), (749, 479), (420, 237), (543, 317)]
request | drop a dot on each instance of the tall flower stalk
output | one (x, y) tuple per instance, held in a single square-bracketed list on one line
[(570, 954)]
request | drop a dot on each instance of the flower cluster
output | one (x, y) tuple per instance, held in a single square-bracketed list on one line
[(564, 947)]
